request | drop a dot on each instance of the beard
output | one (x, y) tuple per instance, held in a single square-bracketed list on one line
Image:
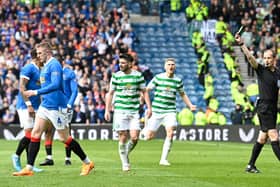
[(124, 69)]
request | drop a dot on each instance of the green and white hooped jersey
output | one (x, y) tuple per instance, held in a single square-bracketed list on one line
[(127, 89), (165, 92)]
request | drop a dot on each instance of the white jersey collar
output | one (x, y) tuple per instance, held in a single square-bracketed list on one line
[(49, 60)]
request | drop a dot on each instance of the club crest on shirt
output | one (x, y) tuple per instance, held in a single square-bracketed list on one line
[(128, 89), (128, 86), (42, 80)]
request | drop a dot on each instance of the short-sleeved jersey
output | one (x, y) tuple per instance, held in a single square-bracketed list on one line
[(70, 86), (268, 88), (127, 89), (165, 92), (51, 89), (31, 72)]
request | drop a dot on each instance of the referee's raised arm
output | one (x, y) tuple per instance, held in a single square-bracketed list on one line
[(250, 57)]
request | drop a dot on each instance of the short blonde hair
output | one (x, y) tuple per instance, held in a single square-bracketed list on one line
[(170, 59), (46, 45)]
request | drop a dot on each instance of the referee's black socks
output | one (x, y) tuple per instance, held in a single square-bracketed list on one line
[(255, 153), (276, 148)]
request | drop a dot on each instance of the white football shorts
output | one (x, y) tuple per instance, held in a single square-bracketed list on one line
[(157, 119), (58, 118), (126, 121), (26, 121)]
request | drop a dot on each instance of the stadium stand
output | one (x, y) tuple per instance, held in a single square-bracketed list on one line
[(169, 40), (221, 81), (76, 31)]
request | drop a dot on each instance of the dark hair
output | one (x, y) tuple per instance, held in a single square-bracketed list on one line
[(33, 53), (271, 50), (127, 57), (123, 48), (59, 57)]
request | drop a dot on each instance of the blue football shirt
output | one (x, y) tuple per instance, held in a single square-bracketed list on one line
[(31, 72)]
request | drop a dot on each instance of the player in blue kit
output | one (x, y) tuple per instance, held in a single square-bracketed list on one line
[(26, 107), (70, 88), (52, 111)]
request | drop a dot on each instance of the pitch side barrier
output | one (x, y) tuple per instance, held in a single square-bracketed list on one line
[(227, 133)]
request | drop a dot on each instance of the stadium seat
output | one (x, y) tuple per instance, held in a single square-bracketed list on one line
[(169, 40), (135, 8)]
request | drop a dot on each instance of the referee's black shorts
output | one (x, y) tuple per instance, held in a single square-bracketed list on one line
[(267, 114)]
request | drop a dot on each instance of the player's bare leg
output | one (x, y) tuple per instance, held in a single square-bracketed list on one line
[(134, 136)]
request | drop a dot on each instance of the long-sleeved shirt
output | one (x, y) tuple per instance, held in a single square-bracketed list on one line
[(51, 89)]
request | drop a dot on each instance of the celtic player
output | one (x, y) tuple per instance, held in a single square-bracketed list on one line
[(166, 85), (127, 85)]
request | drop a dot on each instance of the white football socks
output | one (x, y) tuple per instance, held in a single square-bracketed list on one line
[(166, 148), (86, 160), (123, 152)]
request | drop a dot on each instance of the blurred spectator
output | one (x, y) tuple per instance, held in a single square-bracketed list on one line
[(185, 117), (21, 35), (8, 117), (248, 115), (215, 10), (246, 21), (259, 58), (100, 111), (221, 28), (252, 92), (144, 5), (91, 117), (276, 14), (266, 41), (209, 88), (213, 118), (127, 40), (236, 116), (201, 71), (78, 115), (247, 37), (222, 120), (213, 104), (200, 118), (84, 85)]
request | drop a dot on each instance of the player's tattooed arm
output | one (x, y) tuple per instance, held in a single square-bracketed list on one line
[(22, 88)]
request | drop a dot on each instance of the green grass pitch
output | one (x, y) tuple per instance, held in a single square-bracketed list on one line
[(198, 164)]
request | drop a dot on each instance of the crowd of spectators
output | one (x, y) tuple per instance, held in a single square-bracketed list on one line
[(83, 33), (261, 23), (260, 20), (90, 37)]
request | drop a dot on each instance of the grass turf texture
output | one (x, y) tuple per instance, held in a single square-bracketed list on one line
[(198, 164)]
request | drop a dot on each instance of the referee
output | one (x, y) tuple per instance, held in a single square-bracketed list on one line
[(268, 81)]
